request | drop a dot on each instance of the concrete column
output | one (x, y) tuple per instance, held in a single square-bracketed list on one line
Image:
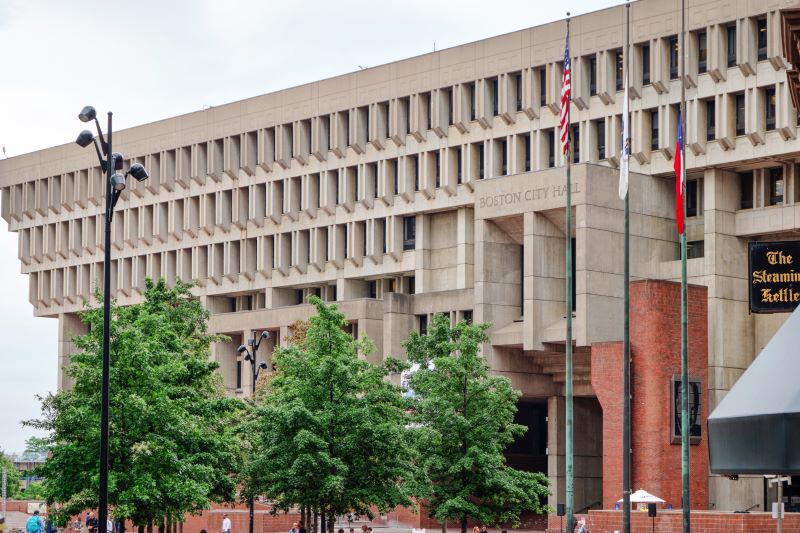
[(465, 239), (423, 254), (544, 278), (69, 325)]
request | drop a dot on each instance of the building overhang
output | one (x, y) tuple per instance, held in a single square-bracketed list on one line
[(790, 33)]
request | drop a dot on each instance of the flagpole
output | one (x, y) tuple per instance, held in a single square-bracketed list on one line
[(626, 335), (686, 503), (568, 240)]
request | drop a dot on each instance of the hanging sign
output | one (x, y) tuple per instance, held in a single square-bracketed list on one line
[(774, 276)]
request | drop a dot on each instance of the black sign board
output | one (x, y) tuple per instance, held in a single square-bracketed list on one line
[(774, 276)]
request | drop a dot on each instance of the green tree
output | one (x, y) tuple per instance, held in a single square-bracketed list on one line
[(172, 447), (329, 430), (12, 476), (34, 491), (465, 419)]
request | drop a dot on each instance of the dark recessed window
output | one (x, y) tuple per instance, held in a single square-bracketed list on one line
[(695, 410), (436, 168), (372, 288), (645, 64), (761, 28), (575, 143), (673, 58), (542, 87), (423, 324), (503, 147), (746, 186), (731, 34), (518, 90), (239, 374), (695, 249), (776, 186), (468, 316), (551, 148), (600, 128), (691, 198), (449, 96), (769, 108), (592, 76), (480, 160), (409, 232), (702, 52), (711, 120), (471, 91), (459, 173), (654, 129), (619, 71), (526, 139), (739, 104)]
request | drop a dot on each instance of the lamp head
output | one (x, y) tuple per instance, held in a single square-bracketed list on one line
[(265, 334), (247, 357), (118, 182), (262, 365), (87, 114), (117, 158), (85, 138), (251, 342), (138, 172), (242, 349)]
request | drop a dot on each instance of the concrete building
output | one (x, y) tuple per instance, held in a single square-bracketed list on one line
[(435, 184)]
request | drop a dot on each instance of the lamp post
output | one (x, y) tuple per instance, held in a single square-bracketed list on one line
[(111, 163), (250, 356)]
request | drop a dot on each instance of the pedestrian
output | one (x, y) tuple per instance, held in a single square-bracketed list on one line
[(91, 522), (109, 525), (341, 530), (2, 524), (295, 528), (476, 529), (34, 523), (303, 527), (582, 526), (226, 524)]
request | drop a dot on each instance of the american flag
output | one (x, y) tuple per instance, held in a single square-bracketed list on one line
[(566, 89)]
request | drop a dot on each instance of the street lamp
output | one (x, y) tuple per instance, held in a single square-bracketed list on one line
[(115, 184), (250, 356)]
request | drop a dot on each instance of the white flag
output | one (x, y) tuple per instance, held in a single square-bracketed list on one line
[(625, 149)]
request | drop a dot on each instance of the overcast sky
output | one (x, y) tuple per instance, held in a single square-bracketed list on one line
[(171, 57)]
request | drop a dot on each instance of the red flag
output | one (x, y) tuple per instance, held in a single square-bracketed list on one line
[(679, 185)]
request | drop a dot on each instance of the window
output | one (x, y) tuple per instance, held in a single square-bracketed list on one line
[(471, 92), (702, 52), (619, 71), (423, 324), (695, 249), (739, 112), (645, 64), (575, 143), (526, 139), (480, 160), (711, 120), (427, 99), (372, 289), (436, 171), (503, 148), (761, 28), (409, 232), (600, 128), (551, 148), (731, 33), (239, 374), (769, 108), (542, 87), (592, 76), (746, 186), (468, 316), (518, 90), (691, 198), (673, 58), (449, 95), (654, 129), (495, 97), (776, 186), (459, 173), (695, 408)]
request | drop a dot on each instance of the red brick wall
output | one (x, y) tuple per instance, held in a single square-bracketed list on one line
[(672, 522), (655, 358)]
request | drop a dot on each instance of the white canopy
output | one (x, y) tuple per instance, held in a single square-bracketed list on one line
[(642, 496)]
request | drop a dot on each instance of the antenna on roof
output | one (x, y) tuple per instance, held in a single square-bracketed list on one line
[(4, 152), (362, 68), (434, 46)]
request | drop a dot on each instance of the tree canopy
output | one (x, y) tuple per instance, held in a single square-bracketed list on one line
[(465, 419), (12, 476), (172, 445), (329, 430)]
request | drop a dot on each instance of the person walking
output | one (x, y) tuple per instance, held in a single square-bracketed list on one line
[(91, 522), (34, 523), (226, 524)]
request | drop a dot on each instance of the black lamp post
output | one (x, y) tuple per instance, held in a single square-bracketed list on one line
[(250, 356), (115, 184)]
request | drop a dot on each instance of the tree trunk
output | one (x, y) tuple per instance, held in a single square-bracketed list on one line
[(121, 526), (464, 525), (150, 527), (331, 522), (140, 529), (316, 520), (444, 526), (322, 522)]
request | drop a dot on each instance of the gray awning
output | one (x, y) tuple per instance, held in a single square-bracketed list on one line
[(755, 429)]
